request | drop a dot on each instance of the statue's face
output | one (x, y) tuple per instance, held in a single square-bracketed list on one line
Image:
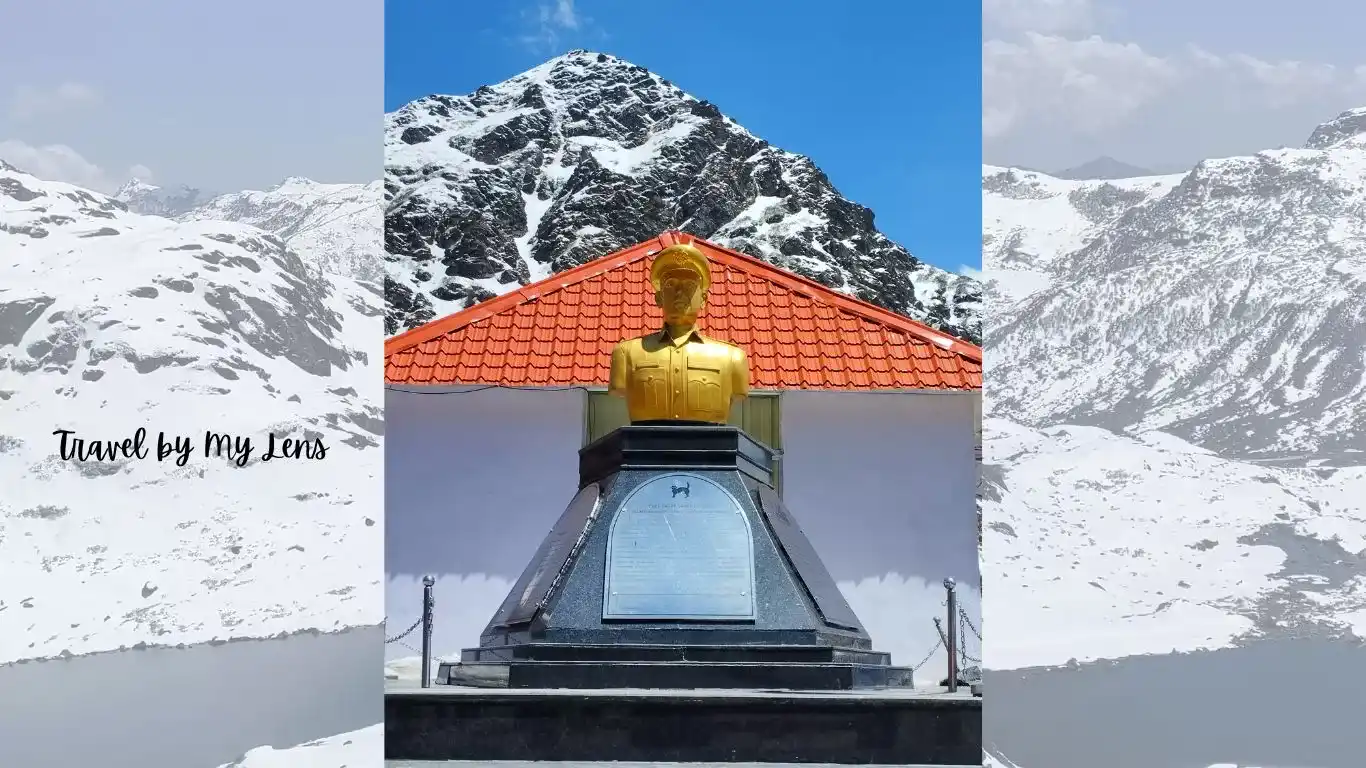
[(680, 296)]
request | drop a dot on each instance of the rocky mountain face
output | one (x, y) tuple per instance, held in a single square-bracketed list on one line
[(1346, 130), (587, 154), (1030, 219), (1227, 307), (111, 322), (152, 200), (335, 227)]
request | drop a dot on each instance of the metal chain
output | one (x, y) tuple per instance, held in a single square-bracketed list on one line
[(964, 658), (962, 641), (965, 623), (962, 614), (926, 660), (402, 634)]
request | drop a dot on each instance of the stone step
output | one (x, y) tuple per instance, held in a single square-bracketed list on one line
[(677, 675), (762, 653)]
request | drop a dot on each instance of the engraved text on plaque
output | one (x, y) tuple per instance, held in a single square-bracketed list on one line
[(680, 548)]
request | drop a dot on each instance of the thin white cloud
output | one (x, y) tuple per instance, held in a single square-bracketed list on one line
[(58, 162), (28, 102), (971, 272), (1065, 82), (1043, 16), (141, 173), (1088, 86), (549, 22)]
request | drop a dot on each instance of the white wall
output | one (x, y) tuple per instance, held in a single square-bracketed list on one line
[(473, 481), (883, 484)]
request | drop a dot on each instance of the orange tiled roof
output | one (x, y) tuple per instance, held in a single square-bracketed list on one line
[(797, 333)]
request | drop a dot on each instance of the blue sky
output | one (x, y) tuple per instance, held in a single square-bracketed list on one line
[(884, 96)]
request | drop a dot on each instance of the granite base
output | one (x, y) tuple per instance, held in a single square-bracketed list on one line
[(444, 723)]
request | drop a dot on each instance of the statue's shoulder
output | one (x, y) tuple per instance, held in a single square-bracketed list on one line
[(629, 347), (735, 351), (631, 343)]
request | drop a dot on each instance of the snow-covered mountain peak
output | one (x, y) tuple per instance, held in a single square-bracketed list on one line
[(582, 91), (1224, 306), (588, 153), (574, 74), (290, 183), (144, 197), (134, 187), (1104, 167), (334, 227), (1348, 127)]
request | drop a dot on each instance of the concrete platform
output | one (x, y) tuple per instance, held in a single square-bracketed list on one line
[(551, 764), (905, 727)]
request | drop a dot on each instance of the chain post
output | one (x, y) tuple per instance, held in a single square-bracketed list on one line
[(951, 628), (428, 604)]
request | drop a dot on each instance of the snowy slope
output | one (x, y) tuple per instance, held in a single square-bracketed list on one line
[(1174, 443), (111, 322), (587, 154), (360, 749), (1100, 545), (1229, 311), (335, 226), (1029, 219)]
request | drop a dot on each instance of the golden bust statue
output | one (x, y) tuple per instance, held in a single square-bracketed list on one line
[(676, 373)]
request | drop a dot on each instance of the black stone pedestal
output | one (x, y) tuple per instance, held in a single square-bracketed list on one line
[(678, 566)]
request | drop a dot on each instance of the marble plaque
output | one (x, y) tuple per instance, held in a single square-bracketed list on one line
[(680, 548)]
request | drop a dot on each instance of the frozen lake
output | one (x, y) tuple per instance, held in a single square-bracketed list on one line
[(195, 707), (1279, 704)]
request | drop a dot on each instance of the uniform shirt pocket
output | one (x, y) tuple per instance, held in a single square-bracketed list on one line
[(706, 390), (651, 381)]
